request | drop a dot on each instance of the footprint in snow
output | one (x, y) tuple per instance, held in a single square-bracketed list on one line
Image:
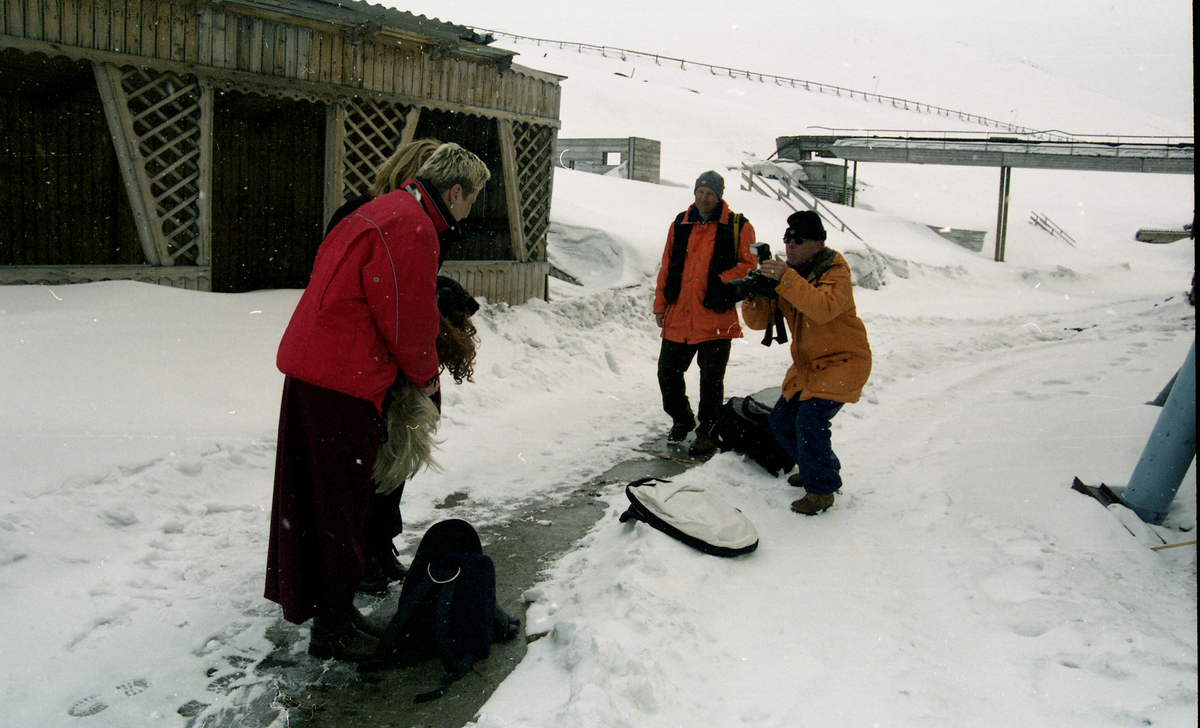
[(133, 687), (86, 707), (93, 704)]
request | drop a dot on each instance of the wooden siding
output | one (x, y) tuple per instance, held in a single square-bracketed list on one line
[(641, 157), (313, 58), (268, 166), (485, 232), (500, 282), (190, 277), (62, 201), (259, 135)]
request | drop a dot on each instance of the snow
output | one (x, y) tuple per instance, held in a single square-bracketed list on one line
[(957, 581)]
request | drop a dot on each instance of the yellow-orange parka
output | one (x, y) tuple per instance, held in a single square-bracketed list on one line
[(831, 358)]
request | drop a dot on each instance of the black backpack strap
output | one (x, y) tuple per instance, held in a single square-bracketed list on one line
[(385, 654), (447, 680), (441, 623), (455, 669)]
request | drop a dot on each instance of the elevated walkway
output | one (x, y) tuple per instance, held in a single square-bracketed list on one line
[(1042, 150), (1156, 155)]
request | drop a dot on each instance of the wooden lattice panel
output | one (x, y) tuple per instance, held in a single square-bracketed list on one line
[(373, 131), (165, 111), (534, 146)]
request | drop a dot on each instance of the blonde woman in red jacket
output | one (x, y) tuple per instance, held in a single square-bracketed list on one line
[(708, 246), (368, 316)]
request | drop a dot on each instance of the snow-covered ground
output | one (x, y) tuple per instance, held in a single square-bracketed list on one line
[(957, 581)]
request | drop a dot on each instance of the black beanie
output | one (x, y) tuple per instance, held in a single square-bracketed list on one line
[(712, 181), (806, 225)]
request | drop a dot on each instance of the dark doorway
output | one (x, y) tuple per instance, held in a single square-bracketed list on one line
[(485, 231), (268, 191), (62, 200)]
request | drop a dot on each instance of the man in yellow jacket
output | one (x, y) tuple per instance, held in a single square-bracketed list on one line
[(831, 359), (708, 246)]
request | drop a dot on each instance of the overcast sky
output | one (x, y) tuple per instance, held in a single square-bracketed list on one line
[(1140, 52), (1136, 51)]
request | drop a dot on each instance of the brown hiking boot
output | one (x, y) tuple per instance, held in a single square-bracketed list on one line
[(702, 447), (341, 639), (813, 503), (795, 480)]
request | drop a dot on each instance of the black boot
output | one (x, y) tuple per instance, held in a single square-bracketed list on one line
[(380, 571), (341, 638)]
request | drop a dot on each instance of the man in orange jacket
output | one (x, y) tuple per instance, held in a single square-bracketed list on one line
[(708, 246), (831, 358)]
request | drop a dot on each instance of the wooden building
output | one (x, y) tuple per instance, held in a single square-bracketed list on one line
[(204, 143), (637, 158)]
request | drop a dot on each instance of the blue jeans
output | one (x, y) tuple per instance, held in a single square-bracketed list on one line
[(802, 429)]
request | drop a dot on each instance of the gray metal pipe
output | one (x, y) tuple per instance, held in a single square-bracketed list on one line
[(1169, 451)]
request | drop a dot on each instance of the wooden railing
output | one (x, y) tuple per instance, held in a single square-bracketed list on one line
[(798, 83), (789, 191)]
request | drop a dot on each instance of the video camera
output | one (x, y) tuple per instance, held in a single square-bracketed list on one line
[(755, 283)]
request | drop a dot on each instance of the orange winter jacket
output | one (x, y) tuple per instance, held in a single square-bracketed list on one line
[(687, 320), (831, 358)]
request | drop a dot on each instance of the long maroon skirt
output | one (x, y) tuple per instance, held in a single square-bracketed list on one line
[(321, 509)]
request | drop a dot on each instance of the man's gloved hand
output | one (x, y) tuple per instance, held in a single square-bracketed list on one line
[(754, 285)]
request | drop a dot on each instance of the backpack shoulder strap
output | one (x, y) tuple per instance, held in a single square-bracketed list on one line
[(455, 669), (386, 654), (441, 624)]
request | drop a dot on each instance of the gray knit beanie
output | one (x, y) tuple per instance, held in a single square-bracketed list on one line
[(712, 181)]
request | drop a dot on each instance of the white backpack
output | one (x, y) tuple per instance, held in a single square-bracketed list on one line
[(692, 515)]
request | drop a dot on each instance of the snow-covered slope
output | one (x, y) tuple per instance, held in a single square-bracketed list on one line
[(958, 580)]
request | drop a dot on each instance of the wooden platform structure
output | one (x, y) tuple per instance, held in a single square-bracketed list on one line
[(204, 143), (639, 159), (1154, 155), (1160, 237)]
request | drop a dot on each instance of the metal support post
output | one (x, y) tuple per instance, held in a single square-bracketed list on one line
[(854, 185), (1169, 451), (845, 178), (1002, 215)]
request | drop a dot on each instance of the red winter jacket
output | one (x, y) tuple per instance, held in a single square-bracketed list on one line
[(370, 310)]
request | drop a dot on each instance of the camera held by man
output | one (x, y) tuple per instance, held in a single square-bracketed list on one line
[(755, 283)]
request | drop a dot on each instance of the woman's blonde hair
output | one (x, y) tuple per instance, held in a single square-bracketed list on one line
[(452, 165), (402, 165)]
